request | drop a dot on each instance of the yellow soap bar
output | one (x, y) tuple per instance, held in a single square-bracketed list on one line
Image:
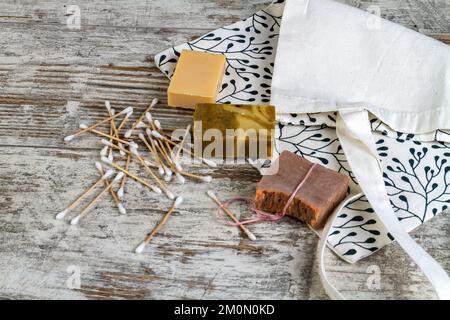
[(197, 78)]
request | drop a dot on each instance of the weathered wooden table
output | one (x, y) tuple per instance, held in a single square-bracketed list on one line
[(52, 77)]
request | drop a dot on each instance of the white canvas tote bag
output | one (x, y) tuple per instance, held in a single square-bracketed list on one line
[(332, 57)]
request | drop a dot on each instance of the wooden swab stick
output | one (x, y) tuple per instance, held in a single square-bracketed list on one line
[(115, 197), (141, 181), (206, 179), (111, 113), (152, 150), (122, 124), (63, 213), (85, 211), (157, 135), (165, 157), (99, 133), (128, 111), (177, 154), (162, 185), (141, 247), (139, 120), (120, 191), (114, 131), (250, 235)]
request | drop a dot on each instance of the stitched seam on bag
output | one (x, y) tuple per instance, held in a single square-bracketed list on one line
[(383, 110)]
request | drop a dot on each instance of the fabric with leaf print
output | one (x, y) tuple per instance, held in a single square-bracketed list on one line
[(416, 174)]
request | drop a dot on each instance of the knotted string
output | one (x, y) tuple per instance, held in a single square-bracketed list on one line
[(260, 214)]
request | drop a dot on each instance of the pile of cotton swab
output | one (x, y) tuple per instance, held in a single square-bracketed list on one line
[(161, 160)]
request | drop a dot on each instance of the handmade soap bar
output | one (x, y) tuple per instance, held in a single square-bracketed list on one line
[(321, 192), (234, 131), (197, 78)]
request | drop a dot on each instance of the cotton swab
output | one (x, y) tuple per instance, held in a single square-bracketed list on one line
[(177, 154), (111, 112), (85, 211), (141, 181), (119, 204), (120, 191), (129, 132), (128, 111), (104, 151), (250, 235), (152, 149), (160, 183), (99, 133), (144, 243), (63, 213), (157, 135), (206, 179)]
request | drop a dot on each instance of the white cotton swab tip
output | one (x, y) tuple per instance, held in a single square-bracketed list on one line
[(211, 194), (108, 174), (157, 124), (134, 151), (120, 193), (180, 178), (106, 142), (133, 145), (99, 166), (105, 160), (112, 111), (104, 151), (167, 178), (128, 133), (83, 126), (209, 163), (160, 170), (110, 156), (178, 201), (128, 110), (140, 248), (206, 179), (156, 134), (108, 106), (167, 171), (75, 220), (69, 138), (141, 136), (118, 177), (178, 166), (170, 195), (251, 236), (154, 102), (140, 125), (122, 209), (61, 215), (156, 190), (121, 152), (148, 116)]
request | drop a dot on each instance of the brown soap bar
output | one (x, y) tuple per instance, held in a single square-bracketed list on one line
[(323, 190)]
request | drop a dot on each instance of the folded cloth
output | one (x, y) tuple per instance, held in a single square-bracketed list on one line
[(332, 56), (250, 46)]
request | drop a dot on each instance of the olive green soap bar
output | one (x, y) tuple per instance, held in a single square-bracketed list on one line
[(232, 131)]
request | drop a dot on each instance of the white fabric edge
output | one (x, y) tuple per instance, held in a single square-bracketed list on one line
[(354, 132), (332, 292)]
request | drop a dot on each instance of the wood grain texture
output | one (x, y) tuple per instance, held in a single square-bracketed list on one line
[(51, 78)]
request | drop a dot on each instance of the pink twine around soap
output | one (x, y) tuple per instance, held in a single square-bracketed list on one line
[(260, 214)]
